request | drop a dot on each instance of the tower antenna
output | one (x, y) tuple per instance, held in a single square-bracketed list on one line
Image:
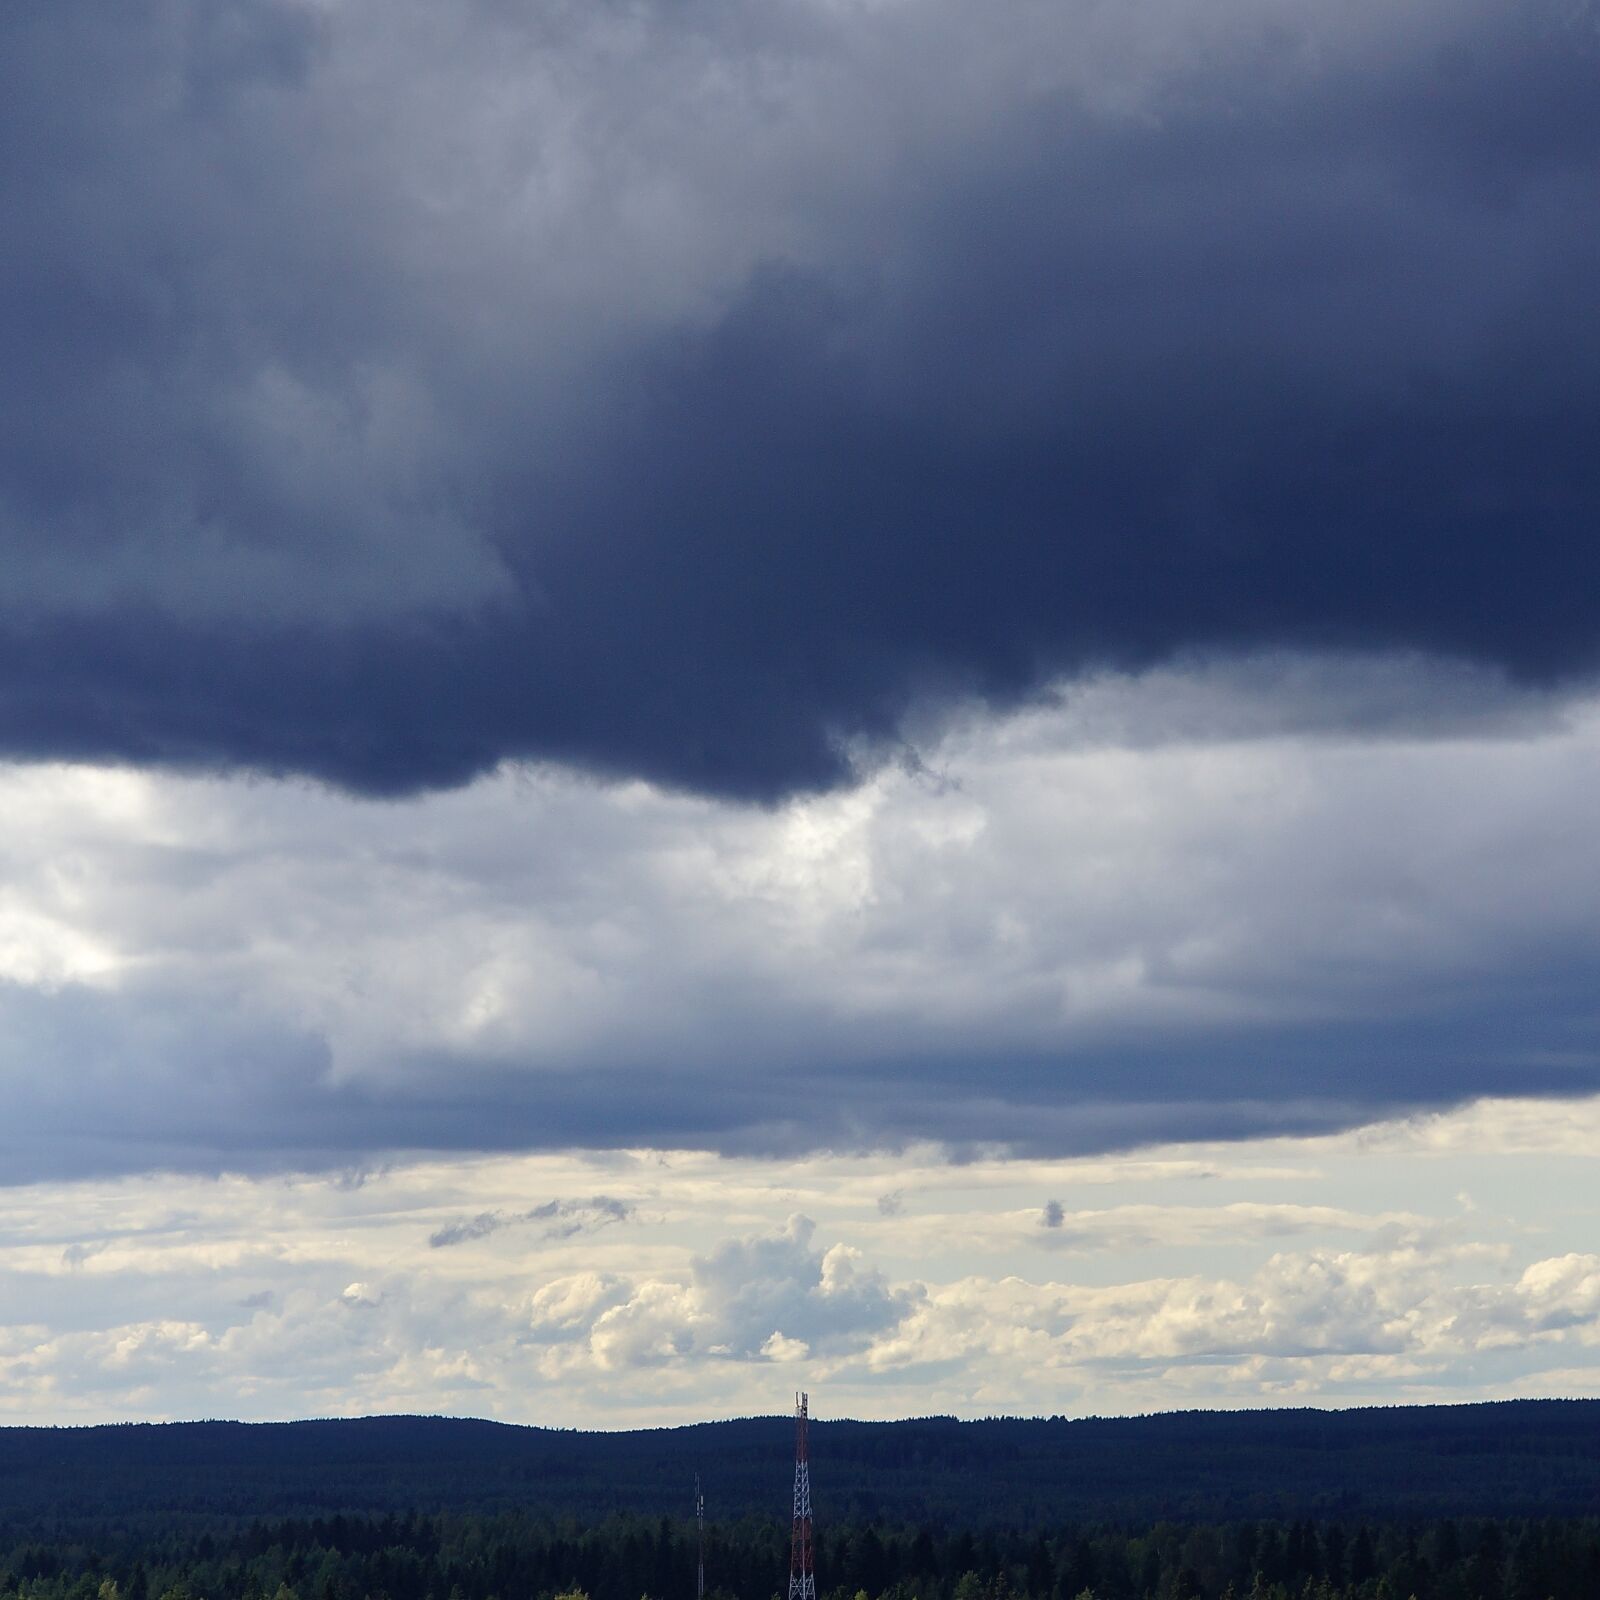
[(802, 1573), (700, 1538)]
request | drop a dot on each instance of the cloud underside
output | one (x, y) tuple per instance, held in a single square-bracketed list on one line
[(704, 393)]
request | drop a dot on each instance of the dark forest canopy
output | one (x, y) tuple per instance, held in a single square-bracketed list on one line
[(1520, 1458), (519, 1557)]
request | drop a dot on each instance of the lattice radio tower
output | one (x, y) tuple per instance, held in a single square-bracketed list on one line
[(700, 1538), (802, 1574)]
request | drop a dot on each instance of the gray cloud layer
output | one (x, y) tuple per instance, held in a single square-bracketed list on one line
[(1056, 943), (695, 390)]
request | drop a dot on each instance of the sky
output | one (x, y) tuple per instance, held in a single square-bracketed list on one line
[(702, 696)]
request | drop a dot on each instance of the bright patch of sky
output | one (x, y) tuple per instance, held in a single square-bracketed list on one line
[(1441, 1257)]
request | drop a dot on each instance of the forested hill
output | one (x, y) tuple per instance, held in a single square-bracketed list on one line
[(1514, 1458)]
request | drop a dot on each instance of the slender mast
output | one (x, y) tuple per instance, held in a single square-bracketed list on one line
[(700, 1538), (802, 1574)]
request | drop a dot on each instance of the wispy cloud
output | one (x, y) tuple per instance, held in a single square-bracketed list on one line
[(561, 1218)]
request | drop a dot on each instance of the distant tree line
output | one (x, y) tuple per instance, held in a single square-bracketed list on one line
[(1513, 1458), (516, 1556)]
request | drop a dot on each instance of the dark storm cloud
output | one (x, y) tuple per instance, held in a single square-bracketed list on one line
[(354, 432)]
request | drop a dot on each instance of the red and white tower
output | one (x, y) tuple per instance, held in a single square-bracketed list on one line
[(802, 1574)]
